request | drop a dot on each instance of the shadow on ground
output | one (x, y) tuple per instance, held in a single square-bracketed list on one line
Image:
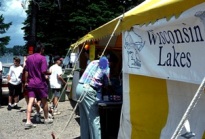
[(73, 104)]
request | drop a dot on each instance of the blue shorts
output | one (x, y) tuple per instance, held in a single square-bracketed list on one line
[(56, 92)]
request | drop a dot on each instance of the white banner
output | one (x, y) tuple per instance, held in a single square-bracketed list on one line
[(173, 49)]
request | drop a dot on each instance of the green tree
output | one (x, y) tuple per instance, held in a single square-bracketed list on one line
[(3, 40), (19, 50), (8, 50), (60, 24)]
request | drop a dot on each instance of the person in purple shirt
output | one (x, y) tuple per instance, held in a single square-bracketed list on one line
[(35, 71), (95, 76)]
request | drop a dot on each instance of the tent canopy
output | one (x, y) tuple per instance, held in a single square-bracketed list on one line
[(147, 12)]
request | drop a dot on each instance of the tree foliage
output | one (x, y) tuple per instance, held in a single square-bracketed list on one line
[(60, 23), (3, 40), (19, 50)]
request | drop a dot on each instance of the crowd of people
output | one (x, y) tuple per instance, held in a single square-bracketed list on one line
[(37, 78), (34, 79)]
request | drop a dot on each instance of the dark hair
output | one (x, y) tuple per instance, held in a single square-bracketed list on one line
[(17, 59), (56, 58), (39, 47)]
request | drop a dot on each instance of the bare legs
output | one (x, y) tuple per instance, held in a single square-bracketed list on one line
[(29, 109), (45, 107)]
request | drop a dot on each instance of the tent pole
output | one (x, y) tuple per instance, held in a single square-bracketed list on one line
[(189, 109), (118, 23)]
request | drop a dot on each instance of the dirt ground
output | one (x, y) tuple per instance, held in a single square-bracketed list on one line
[(12, 123)]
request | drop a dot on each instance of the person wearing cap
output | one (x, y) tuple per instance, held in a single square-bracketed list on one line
[(56, 81), (94, 78)]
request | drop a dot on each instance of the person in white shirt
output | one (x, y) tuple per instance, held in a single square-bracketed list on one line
[(14, 85), (56, 81)]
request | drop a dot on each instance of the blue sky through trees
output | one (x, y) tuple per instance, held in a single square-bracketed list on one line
[(13, 11)]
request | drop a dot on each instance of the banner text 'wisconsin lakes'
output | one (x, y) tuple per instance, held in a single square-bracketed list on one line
[(177, 36)]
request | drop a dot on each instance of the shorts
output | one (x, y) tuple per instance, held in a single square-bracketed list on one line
[(14, 90), (38, 93), (56, 92)]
